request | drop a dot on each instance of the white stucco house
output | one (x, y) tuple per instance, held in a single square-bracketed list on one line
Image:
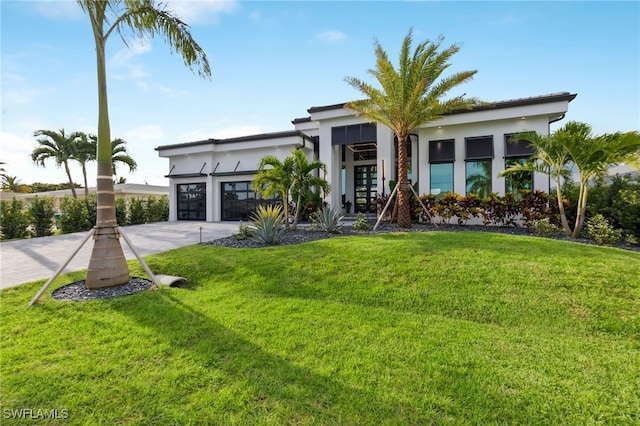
[(210, 180)]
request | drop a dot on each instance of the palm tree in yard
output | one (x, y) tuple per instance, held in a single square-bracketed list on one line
[(410, 96), (120, 155), (303, 178), (85, 152), (574, 144), (13, 184), (58, 146), (274, 179), (137, 18)]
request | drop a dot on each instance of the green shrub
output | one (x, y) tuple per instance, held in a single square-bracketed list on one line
[(41, 212), (14, 220), (361, 224), (626, 210), (544, 227), (75, 215), (157, 209), (121, 211), (328, 220), (136, 210), (244, 232), (602, 231), (268, 224)]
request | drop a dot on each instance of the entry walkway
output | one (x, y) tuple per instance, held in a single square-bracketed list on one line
[(33, 259)]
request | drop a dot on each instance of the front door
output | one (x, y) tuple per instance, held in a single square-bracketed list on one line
[(366, 185)]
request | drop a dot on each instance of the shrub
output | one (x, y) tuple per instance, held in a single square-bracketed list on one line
[(244, 232), (157, 209), (121, 211), (327, 220), (41, 212), (136, 211), (14, 220), (361, 224), (602, 231), (268, 224), (626, 210), (544, 227), (75, 215)]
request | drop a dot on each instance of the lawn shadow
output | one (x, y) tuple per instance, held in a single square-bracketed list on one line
[(266, 386)]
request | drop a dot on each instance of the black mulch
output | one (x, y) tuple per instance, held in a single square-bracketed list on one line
[(78, 291)]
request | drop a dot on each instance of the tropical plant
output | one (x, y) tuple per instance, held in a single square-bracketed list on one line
[(14, 220), (602, 231), (42, 213), (274, 180), (13, 184), (139, 18), (544, 228), (85, 151), (267, 224), (59, 146), (327, 220), (361, 223), (591, 155), (304, 181), (409, 97)]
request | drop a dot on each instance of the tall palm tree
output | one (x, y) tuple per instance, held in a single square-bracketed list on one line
[(138, 18), (410, 96), (60, 147), (303, 179), (13, 184), (274, 179)]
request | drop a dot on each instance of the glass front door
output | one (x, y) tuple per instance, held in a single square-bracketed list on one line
[(366, 186)]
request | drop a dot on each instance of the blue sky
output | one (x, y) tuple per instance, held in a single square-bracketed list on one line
[(271, 61)]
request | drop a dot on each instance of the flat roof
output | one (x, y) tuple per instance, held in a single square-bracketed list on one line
[(534, 100), (262, 136)]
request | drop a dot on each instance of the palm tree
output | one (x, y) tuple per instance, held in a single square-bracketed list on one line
[(550, 158), (13, 184), (274, 179), (119, 154), (59, 146), (303, 179), (2, 170), (85, 151), (107, 266), (593, 155), (410, 96)]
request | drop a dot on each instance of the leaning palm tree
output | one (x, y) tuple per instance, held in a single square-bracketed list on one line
[(303, 179), (58, 146), (138, 18), (410, 96)]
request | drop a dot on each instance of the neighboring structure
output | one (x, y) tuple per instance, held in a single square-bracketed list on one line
[(210, 180), (124, 190)]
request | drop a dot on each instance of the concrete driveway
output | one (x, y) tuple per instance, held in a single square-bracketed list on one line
[(33, 259)]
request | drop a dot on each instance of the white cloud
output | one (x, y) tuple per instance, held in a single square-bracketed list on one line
[(124, 59), (332, 36), (57, 8), (201, 10)]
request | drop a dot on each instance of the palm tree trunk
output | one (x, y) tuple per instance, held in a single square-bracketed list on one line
[(582, 209), (86, 187), (563, 215), (73, 187), (107, 266), (404, 211), (295, 219)]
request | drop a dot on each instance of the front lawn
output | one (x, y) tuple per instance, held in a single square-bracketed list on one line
[(415, 328)]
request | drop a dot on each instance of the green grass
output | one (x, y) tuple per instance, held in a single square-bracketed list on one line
[(417, 328)]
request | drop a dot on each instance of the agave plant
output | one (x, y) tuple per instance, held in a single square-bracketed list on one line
[(328, 220), (267, 224)]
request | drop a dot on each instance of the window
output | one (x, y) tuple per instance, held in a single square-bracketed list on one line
[(192, 201), (520, 181), (354, 134), (479, 156), (516, 148), (441, 178), (239, 200), (441, 157)]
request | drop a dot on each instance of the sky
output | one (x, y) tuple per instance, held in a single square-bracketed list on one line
[(271, 61)]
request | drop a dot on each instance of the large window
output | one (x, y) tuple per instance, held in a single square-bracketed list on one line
[(239, 200), (478, 157), (517, 152), (441, 158), (192, 201), (519, 181), (441, 178)]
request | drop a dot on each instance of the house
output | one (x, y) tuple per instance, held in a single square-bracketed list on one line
[(210, 180)]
